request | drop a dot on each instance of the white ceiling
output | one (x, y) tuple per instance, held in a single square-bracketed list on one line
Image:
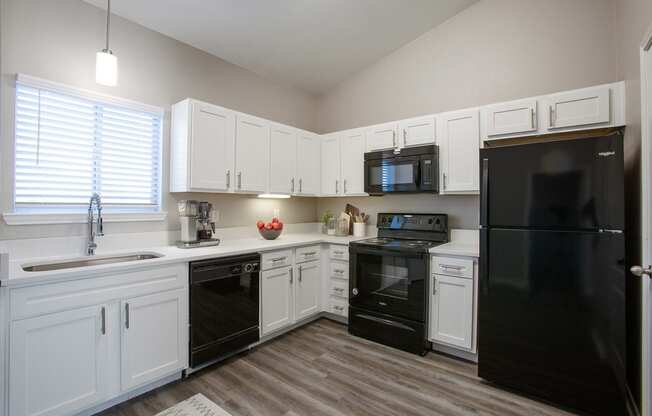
[(311, 44)]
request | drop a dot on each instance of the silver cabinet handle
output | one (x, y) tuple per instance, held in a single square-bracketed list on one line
[(444, 266), (228, 178), (338, 308), (292, 181), (291, 277), (338, 271), (312, 253), (239, 180), (103, 314), (300, 185), (276, 260), (552, 116), (394, 138), (444, 176), (127, 315), (404, 136), (338, 289), (337, 186), (300, 274), (534, 118), (434, 285), (640, 271), (344, 185)]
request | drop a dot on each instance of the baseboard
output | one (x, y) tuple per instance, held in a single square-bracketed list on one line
[(454, 352)]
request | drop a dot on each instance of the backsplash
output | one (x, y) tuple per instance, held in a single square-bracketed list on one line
[(463, 211)]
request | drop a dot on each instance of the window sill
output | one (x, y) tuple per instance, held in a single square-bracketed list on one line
[(12, 218)]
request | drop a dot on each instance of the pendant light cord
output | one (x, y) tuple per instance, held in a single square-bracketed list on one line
[(108, 24)]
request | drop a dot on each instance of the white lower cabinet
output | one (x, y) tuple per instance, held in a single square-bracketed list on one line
[(59, 362), (79, 348), (277, 299), (307, 289), (153, 340), (290, 290), (453, 301)]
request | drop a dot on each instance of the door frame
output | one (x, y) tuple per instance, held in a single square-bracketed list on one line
[(646, 220)]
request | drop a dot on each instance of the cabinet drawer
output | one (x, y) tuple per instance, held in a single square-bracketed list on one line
[(339, 270), (339, 252), (339, 288), (276, 259), (338, 306), (49, 298), (452, 266), (307, 253)]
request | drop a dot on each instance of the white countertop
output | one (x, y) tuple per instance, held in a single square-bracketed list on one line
[(462, 243), (170, 254)]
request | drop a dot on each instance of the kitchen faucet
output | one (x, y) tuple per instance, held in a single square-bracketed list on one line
[(99, 227)]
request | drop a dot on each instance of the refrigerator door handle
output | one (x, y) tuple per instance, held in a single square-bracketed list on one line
[(484, 261), (484, 202)]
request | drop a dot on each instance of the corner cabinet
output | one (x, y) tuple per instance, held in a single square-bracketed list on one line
[(330, 165), (458, 136), (308, 164), (352, 147), (78, 344), (201, 147)]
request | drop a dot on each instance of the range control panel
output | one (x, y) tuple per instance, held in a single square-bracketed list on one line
[(413, 222)]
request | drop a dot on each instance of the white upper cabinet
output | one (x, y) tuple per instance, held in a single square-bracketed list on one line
[(202, 141), (308, 163), (509, 118), (352, 157), (417, 131), (459, 146), (382, 137), (579, 108), (330, 165), (251, 154), (283, 160)]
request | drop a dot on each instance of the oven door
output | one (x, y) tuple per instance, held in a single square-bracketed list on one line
[(394, 174), (388, 282)]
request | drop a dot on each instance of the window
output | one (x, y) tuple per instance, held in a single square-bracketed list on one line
[(70, 144)]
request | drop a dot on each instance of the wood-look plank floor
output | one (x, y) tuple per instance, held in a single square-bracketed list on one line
[(322, 370)]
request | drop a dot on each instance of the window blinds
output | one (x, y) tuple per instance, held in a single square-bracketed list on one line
[(68, 146)]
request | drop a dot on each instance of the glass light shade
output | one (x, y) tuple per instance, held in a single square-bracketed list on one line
[(106, 69)]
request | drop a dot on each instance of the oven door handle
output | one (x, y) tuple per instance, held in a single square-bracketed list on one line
[(382, 252)]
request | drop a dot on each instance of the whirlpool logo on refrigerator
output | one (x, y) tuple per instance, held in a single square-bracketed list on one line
[(606, 154)]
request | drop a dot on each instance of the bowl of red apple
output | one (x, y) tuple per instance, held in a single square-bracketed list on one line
[(270, 230)]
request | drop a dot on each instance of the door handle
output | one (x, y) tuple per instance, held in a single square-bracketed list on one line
[(292, 181), (434, 285), (534, 118), (127, 315), (344, 185), (239, 180), (337, 186), (552, 116), (228, 178), (444, 178), (300, 185), (640, 271), (300, 274), (291, 277), (103, 314), (394, 138)]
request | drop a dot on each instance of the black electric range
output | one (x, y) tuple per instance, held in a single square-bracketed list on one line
[(388, 282)]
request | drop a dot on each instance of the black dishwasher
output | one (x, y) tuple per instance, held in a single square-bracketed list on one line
[(223, 307)]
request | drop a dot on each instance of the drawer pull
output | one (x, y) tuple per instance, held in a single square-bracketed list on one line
[(339, 253), (338, 308), (339, 271), (444, 266), (276, 260), (312, 253), (339, 289)]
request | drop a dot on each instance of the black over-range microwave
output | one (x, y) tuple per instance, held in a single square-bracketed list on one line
[(414, 169)]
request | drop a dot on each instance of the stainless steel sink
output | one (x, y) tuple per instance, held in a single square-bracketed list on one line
[(91, 261)]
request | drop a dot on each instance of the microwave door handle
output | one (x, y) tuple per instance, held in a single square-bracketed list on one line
[(417, 174)]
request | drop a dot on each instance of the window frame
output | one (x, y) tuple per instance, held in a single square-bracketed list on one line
[(59, 214)]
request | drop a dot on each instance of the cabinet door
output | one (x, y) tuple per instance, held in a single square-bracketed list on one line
[(451, 313), (307, 289), (283, 160), (459, 141), (417, 131), (579, 108), (59, 362), (251, 154), (352, 156), (154, 337), (382, 137), (510, 118), (277, 299), (308, 164), (211, 147), (330, 166)]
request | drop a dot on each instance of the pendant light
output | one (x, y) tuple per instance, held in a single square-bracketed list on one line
[(106, 63)]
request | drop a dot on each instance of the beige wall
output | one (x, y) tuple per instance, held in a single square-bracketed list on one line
[(493, 51), (57, 40)]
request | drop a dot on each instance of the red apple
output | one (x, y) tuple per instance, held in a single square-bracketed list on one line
[(275, 220), (260, 224), (277, 226), (280, 225), (269, 226)]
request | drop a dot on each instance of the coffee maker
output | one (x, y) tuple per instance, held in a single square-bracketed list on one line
[(197, 224)]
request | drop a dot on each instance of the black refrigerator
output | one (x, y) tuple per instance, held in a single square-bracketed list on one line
[(551, 302)]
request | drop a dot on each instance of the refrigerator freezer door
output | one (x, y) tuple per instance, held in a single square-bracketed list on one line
[(573, 184), (552, 316)]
